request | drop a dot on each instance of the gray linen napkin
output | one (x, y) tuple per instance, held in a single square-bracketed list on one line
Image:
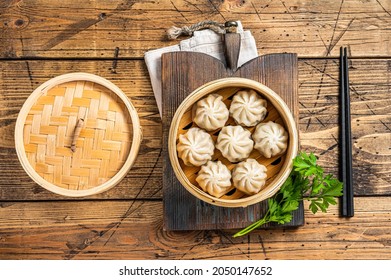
[(204, 41)]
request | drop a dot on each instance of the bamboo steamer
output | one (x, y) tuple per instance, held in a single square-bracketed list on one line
[(278, 167), (77, 135)]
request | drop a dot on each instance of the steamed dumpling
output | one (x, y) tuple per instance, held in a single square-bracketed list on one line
[(247, 108), (210, 113), (234, 143), (270, 138), (195, 147), (214, 178), (249, 176)]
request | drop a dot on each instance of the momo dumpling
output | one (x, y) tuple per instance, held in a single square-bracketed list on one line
[(247, 108), (210, 113), (270, 139), (214, 178), (235, 143), (195, 147), (249, 176)]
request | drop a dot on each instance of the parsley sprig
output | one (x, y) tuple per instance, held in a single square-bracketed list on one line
[(307, 181)]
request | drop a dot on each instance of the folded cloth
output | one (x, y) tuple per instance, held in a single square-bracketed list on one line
[(204, 41)]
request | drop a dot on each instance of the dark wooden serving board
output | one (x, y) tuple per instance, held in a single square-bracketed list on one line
[(182, 73)]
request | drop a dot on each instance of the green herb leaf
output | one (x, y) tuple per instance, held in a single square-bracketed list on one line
[(282, 218), (313, 208), (290, 206), (307, 177)]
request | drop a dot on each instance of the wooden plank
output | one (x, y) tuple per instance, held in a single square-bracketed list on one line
[(133, 230), (19, 79), (48, 28), (180, 77), (370, 114), (318, 88)]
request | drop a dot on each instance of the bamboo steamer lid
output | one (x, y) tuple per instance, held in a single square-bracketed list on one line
[(77, 135), (278, 167)]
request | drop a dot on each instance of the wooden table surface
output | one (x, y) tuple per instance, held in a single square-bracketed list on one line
[(42, 39)]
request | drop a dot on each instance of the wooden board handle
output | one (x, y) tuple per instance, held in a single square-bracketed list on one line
[(232, 50)]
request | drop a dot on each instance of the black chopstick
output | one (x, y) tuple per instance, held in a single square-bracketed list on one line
[(346, 160), (342, 134)]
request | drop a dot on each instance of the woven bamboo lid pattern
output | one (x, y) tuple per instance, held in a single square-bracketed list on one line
[(77, 135)]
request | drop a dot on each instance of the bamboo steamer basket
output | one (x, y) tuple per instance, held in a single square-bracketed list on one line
[(77, 135), (278, 167)]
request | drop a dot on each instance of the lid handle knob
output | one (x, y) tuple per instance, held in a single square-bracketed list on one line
[(76, 133)]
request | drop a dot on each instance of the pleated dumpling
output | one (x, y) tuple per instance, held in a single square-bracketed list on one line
[(249, 176), (235, 143), (195, 147), (247, 108), (214, 178), (270, 138), (210, 113)]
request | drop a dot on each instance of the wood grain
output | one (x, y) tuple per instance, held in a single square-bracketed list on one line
[(127, 221), (101, 28), (370, 115), (133, 230), (318, 87)]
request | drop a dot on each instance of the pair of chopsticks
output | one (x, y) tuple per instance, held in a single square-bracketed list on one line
[(346, 170)]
